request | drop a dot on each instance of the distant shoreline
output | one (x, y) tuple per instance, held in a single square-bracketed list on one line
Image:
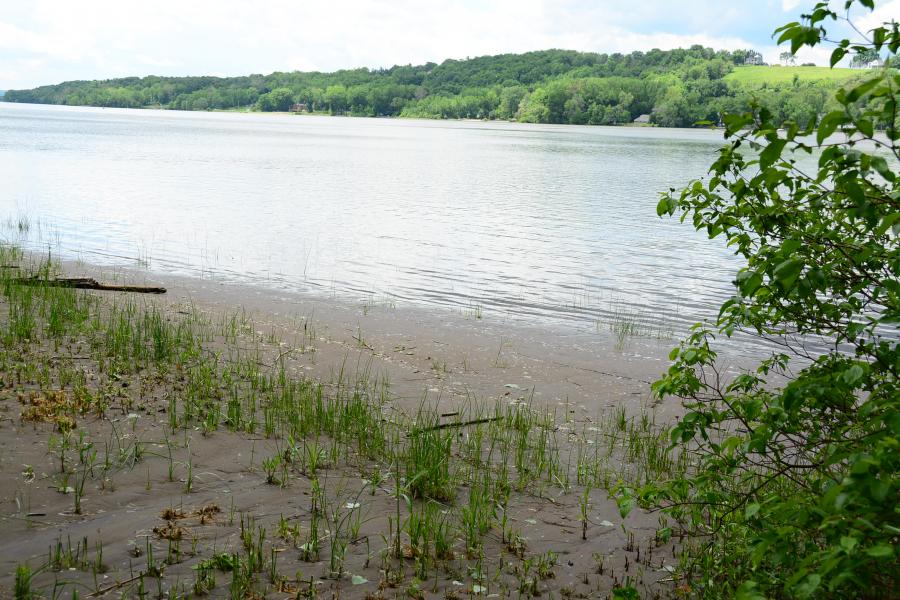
[(673, 88)]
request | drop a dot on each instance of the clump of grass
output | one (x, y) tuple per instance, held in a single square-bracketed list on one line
[(625, 323), (22, 590), (66, 556), (374, 301), (474, 311), (428, 471)]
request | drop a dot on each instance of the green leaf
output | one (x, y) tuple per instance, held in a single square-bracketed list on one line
[(861, 90), (866, 127), (626, 505), (734, 123), (771, 153), (887, 222), (880, 164), (751, 510), (855, 192), (787, 273), (809, 585), (837, 55), (749, 590), (790, 246), (787, 32), (666, 206), (852, 375), (878, 37), (751, 284), (829, 124), (880, 551)]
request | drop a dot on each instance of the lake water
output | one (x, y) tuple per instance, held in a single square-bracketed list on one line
[(549, 224)]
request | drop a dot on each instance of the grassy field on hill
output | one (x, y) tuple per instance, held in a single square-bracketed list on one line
[(757, 75)]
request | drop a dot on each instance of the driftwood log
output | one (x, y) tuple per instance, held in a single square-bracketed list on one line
[(88, 283)]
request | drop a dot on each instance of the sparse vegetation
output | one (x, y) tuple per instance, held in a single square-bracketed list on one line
[(128, 390)]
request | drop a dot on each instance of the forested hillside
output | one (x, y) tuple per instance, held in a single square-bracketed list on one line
[(676, 88)]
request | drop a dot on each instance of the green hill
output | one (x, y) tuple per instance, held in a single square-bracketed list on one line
[(677, 88)]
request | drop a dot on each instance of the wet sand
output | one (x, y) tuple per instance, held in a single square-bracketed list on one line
[(448, 353)]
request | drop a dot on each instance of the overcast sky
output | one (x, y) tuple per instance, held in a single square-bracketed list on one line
[(49, 41)]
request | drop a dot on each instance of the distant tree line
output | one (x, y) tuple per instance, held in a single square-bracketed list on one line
[(677, 88)]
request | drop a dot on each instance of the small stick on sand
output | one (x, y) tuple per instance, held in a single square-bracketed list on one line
[(115, 586), (459, 424)]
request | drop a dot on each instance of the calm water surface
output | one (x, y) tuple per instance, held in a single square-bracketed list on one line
[(555, 224)]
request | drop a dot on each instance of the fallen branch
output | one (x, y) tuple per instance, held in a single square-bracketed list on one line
[(459, 424), (88, 283)]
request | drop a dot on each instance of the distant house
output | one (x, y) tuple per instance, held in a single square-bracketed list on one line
[(299, 107), (642, 120)]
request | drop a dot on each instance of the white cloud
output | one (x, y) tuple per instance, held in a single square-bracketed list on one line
[(863, 19), (626, 41), (156, 62), (883, 13), (820, 55), (110, 38), (23, 40), (19, 68)]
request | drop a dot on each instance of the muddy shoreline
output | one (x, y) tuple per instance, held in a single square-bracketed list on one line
[(215, 490)]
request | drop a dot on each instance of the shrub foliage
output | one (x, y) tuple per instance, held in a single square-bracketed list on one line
[(794, 493)]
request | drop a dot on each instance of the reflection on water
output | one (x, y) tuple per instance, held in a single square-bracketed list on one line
[(548, 223)]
